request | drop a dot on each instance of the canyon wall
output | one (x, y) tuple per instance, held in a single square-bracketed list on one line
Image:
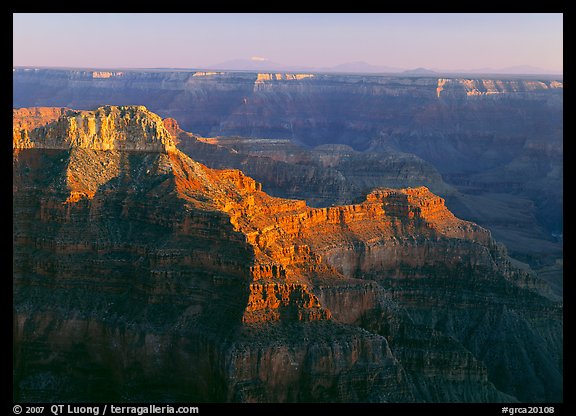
[(496, 141), (136, 262)]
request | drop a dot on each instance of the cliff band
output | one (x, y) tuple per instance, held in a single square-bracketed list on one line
[(132, 262)]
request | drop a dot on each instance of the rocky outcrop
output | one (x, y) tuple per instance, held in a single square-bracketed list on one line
[(133, 261), (275, 301), (31, 118), (108, 128), (481, 87), (106, 74)]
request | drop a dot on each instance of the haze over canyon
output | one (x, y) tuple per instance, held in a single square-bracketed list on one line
[(220, 236)]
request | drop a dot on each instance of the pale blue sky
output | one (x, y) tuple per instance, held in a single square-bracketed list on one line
[(442, 41)]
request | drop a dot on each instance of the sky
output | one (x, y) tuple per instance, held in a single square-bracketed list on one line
[(448, 41)]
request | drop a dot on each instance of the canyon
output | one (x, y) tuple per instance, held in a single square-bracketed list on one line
[(491, 146), (143, 275)]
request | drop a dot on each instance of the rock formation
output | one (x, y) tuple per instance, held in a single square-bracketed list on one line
[(325, 176), (108, 128), (496, 142), (133, 262), (336, 174)]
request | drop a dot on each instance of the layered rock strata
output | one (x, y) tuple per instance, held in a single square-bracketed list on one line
[(497, 140), (133, 261)]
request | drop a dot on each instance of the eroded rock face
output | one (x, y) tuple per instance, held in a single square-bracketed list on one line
[(491, 146), (336, 175), (327, 175), (108, 128), (133, 261)]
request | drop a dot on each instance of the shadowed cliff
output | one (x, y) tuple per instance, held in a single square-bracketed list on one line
[(132, 261)]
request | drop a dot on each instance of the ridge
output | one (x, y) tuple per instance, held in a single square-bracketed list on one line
[(131, 128), (136, 247)]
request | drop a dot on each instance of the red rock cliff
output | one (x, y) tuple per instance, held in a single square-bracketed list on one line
[(126, 251)]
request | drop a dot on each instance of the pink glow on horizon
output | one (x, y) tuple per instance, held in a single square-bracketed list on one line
[(405, 41)]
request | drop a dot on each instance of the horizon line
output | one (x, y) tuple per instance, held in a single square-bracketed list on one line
[(415, 72)]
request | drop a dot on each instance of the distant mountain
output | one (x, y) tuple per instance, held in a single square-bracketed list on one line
[(263, 64), (526, 69), (361, 67), (249, 65), (419, 71), (510, 70)]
